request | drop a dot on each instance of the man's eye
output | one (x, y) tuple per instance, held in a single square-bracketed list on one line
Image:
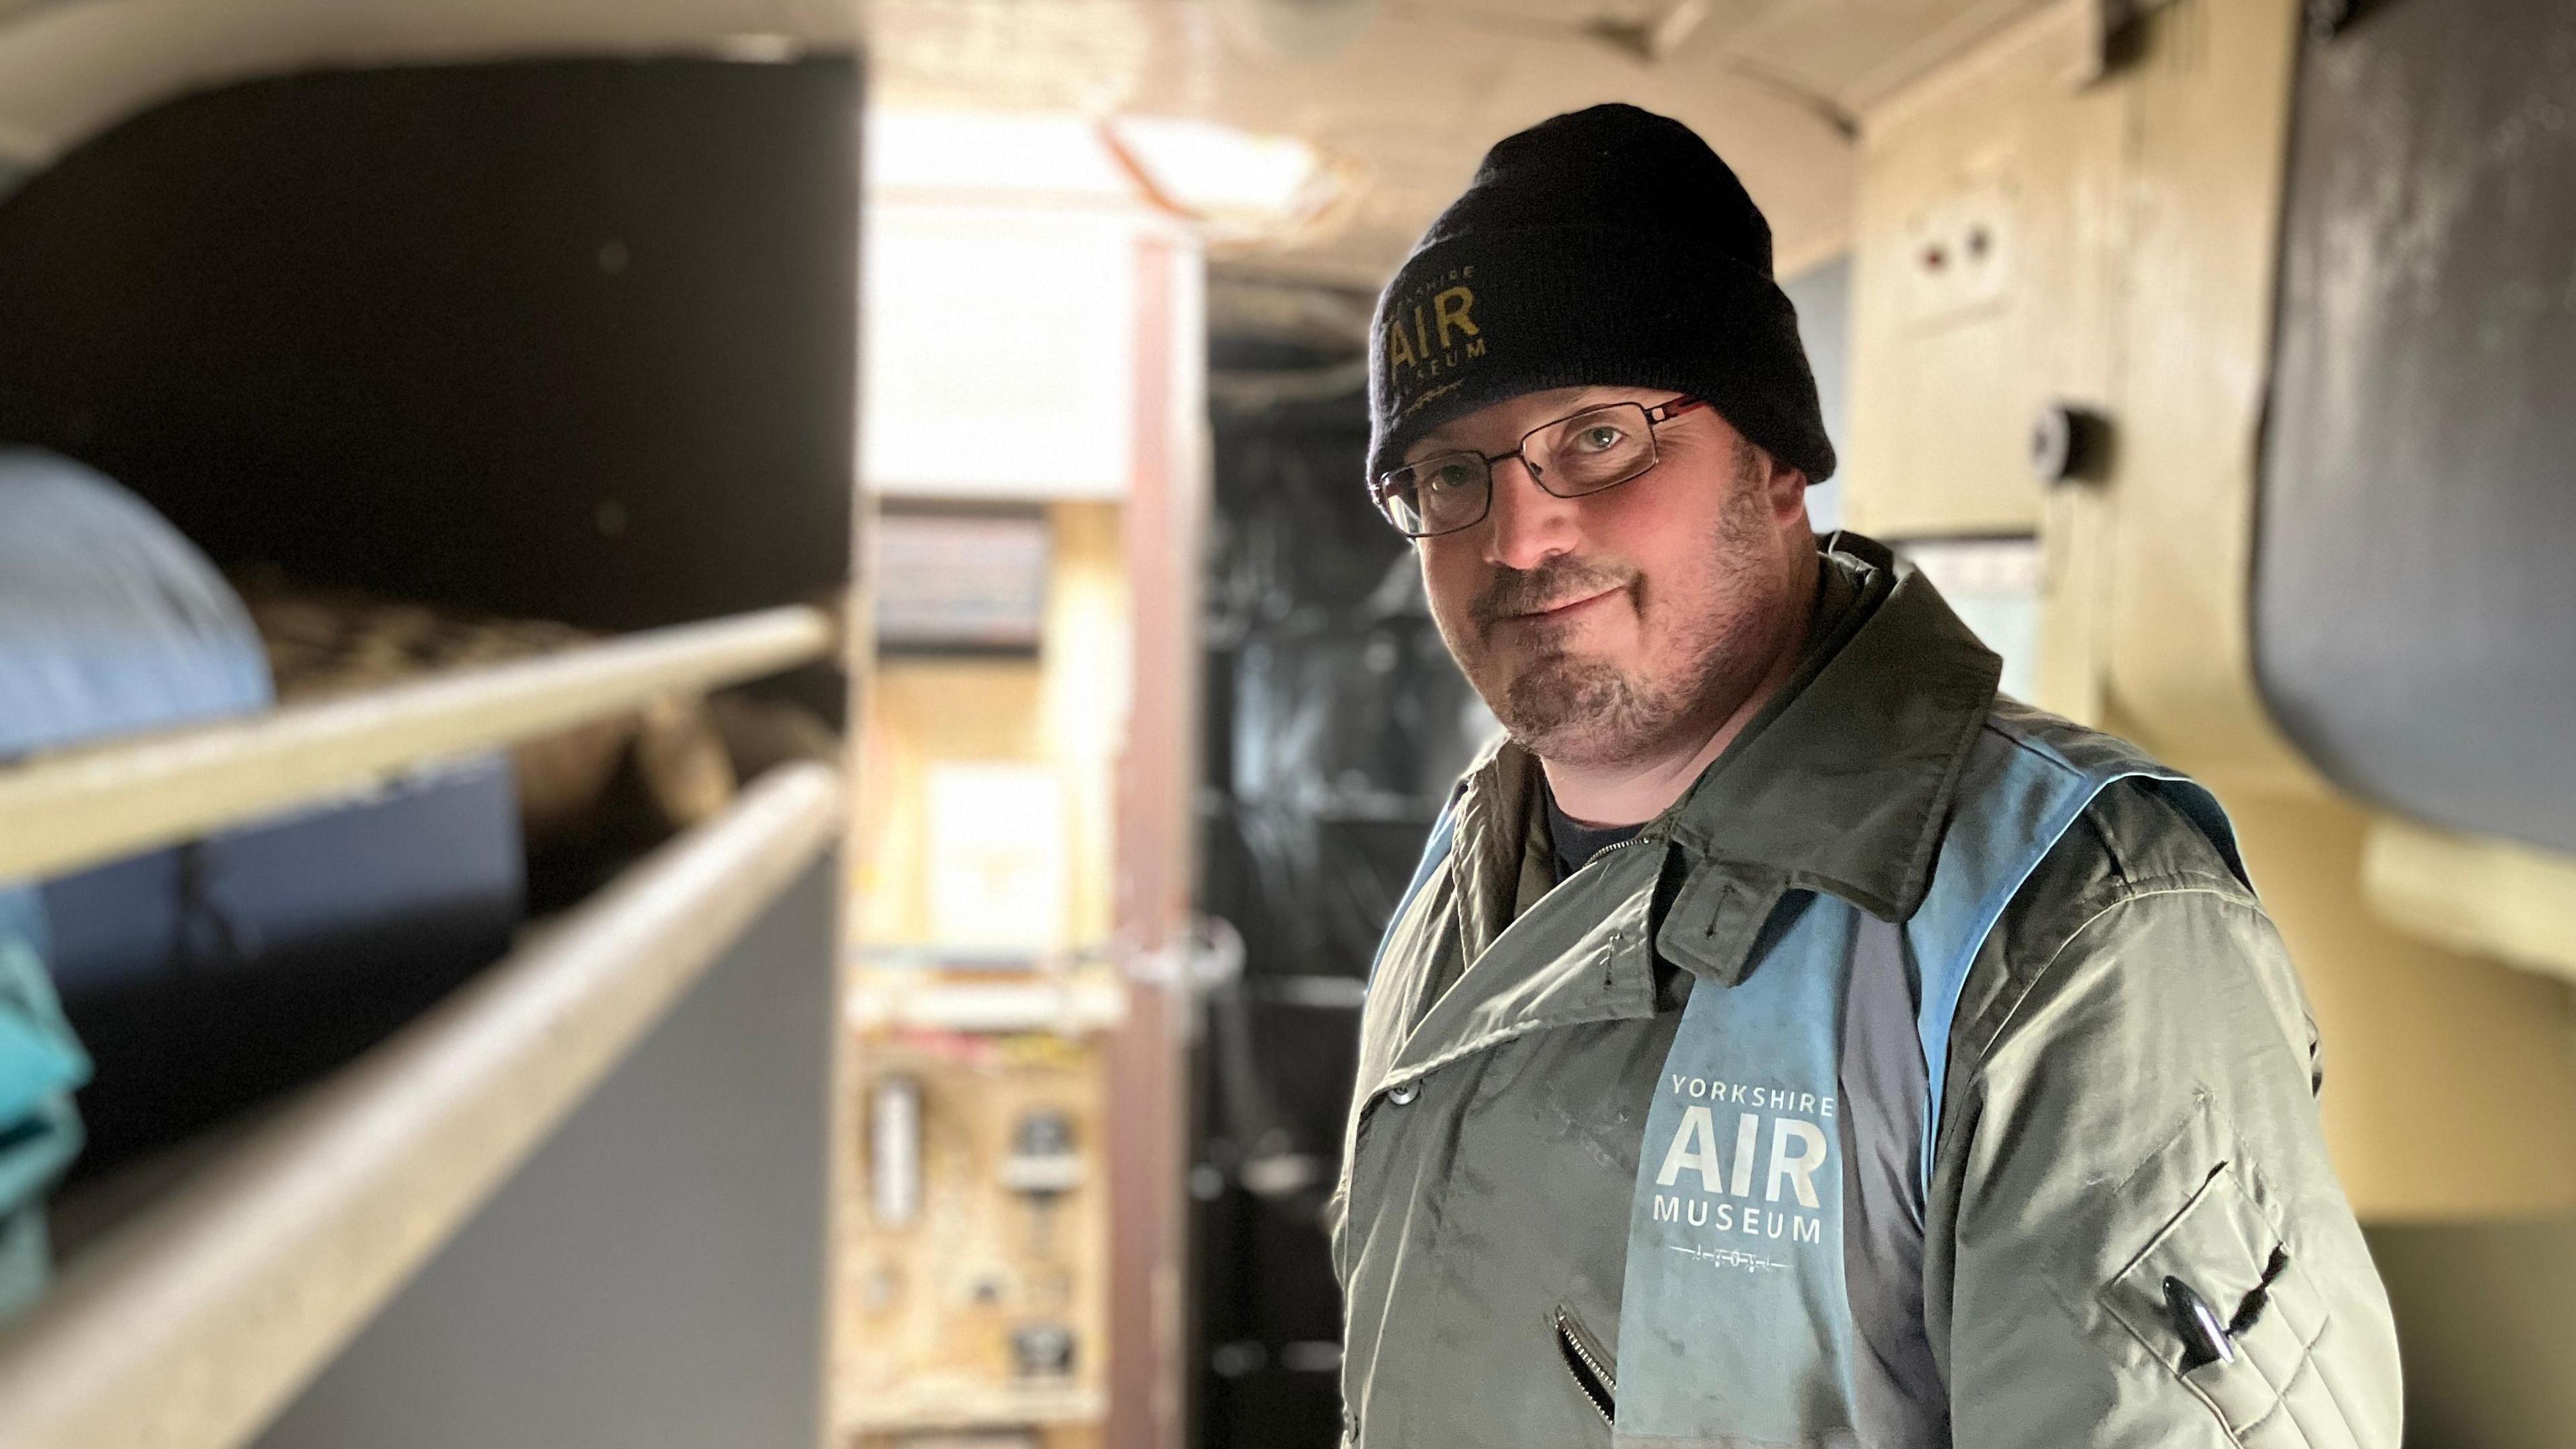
[(1450, 477), (1598, 438)]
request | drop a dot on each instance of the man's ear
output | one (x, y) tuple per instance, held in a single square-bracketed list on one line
[(1787, 487)]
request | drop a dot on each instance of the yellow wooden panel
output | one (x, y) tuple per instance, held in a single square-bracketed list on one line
[(2211, 82), (2135, 271), (1083, 706), (922, 712), (1983, 251), (2476, 894), (2450, 1083), (1065, 710), (928, 1308), (2137, 225)]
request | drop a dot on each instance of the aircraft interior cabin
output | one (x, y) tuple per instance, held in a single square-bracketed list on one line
[(928, 724)]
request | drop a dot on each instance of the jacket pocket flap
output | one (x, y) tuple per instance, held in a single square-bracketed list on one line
[(2225, 1248)]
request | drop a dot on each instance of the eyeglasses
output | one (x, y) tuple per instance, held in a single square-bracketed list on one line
[(1596, 449)]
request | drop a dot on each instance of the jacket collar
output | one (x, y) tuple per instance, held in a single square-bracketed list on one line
[(1842, 785)]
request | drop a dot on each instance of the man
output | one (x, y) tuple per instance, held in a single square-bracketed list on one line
[(1787, 1041)]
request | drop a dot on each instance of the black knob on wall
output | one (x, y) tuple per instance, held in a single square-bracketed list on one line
[(2069, 443)]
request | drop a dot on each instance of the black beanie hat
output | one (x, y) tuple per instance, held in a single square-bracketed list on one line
[(1608, 247)]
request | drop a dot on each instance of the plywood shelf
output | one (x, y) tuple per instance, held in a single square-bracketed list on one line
[(1083, 1001)]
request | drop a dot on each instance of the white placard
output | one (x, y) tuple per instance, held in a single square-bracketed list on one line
[(999, 352), (999, 848), (1993, 585)]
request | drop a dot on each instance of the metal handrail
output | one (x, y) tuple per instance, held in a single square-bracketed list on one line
[(197, 1322), (77, 808)]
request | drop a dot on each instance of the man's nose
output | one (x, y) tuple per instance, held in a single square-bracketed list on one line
[(1526, 525)]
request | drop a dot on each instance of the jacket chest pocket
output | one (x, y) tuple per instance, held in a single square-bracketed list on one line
[(2217, 1297)]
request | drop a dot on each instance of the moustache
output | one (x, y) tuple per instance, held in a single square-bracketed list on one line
[(1513, 592)]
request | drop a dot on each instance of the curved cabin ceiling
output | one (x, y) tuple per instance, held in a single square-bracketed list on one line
[(1400, 96)]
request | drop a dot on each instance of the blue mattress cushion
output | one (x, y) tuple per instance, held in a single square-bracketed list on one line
[(111, 622)]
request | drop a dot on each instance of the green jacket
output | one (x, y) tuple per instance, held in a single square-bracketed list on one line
[(2132, 1042)]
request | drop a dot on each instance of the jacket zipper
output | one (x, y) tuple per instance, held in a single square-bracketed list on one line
[(1582, 1357), (1609, 849)]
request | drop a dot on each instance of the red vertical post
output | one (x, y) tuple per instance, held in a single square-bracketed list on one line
[(1157, 774)]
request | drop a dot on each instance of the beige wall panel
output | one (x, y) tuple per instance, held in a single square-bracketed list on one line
[(2210, 85), (1952, 362), (921, 712), (1065, 709), (2134, 272), (2488, 897), (927, 1308), (2077, 534), (2450, 1081)]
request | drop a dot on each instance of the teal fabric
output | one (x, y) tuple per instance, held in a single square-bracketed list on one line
[(111, 622), (41, 1064)]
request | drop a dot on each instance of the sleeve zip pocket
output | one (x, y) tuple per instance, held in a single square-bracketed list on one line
[(1590, 1367)]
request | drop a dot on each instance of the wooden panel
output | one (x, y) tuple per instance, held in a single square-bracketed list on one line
[(1063, 710), (2211, 83), (2433, 1057), (1156, 831), (928, 1308), (2450, 1093), (2137, 273), (925, 1310), (1988, 213), (2476, 894)]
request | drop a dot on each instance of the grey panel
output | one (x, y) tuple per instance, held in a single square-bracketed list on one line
[(1898, 1398), (2415, 607), (654, 1275)]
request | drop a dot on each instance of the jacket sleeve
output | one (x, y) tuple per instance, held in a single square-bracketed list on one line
[(2140, 1106)]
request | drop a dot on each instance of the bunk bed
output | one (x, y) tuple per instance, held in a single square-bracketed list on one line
[(568, 340)]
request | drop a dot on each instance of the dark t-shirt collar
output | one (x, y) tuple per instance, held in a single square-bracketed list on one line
[(1576, 842)]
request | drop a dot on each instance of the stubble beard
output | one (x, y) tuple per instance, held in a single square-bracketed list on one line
[(1572, 707)]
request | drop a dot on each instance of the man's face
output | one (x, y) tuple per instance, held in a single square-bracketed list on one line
[(1609, 628)]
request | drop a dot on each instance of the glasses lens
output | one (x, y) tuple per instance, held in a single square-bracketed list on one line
[(1436, 495), (1594, 450)]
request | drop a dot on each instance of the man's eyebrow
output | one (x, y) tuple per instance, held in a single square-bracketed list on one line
[(1439, 440)]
